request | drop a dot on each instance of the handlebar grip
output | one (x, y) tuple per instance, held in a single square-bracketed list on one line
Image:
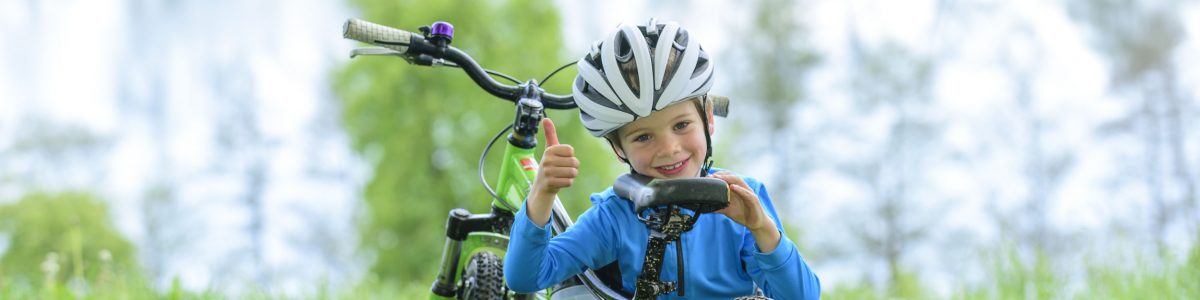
[(376, 34)]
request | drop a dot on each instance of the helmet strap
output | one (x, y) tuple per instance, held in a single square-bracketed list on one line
[(707, 137)]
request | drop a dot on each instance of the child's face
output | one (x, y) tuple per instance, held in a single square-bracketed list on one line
[(667, 144)]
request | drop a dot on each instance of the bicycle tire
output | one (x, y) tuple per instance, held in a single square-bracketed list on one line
[(483, 278)]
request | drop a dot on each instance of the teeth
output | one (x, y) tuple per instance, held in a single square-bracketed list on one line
[(672, 167)]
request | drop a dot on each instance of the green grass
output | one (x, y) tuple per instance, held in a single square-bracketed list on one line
[(1009, 277), (1148, 279), (133, 287)]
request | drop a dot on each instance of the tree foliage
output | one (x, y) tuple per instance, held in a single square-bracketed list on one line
[(60, 236), (422, 129), (780, 67), (1141, 41)]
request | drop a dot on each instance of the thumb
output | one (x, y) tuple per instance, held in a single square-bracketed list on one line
[(551, 134)]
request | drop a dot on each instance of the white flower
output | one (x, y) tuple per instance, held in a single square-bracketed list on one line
[(50, 265), (105, 256)]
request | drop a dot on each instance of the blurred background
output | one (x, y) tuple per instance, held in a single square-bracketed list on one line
[(915, 149)]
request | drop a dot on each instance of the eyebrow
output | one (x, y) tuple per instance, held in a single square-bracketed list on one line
[(631, 133), (637, 131)]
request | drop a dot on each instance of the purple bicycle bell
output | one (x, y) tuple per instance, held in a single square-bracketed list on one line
[(442, 29)]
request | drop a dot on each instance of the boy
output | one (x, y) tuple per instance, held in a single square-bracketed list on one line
[(644, 89)]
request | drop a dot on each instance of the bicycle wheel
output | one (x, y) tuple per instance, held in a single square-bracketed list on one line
[(483, 278)]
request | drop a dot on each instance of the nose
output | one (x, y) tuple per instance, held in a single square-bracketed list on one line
[(668, 146)]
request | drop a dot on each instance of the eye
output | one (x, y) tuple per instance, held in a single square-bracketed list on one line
[(641, 138), (682, 125)]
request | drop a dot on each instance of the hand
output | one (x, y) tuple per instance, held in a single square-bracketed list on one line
[(559, 166), (744, 208)]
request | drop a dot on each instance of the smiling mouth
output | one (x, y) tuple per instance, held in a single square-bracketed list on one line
[(673, 168)]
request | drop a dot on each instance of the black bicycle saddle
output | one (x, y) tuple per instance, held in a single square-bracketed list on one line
[(699, 194)]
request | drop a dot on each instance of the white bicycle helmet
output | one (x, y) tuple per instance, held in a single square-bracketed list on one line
[(608, 100)]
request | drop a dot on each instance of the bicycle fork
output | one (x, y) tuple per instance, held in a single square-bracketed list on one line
[(459, 225)]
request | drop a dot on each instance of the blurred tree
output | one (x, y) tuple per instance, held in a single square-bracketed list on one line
[(45, 154), (164, 220), (891, 84), (1141, 40), (422, 129), (227, 85), (146, 102), (245, 152), (62, 236), (779, 58), (143, 103), (1021, 133)]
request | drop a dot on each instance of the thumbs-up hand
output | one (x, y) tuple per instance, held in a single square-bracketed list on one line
[(559, 165)]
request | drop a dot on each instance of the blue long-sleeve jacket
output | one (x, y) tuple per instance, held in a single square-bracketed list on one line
[(721, 258)]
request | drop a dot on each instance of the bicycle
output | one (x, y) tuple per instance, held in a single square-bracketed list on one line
[(472, 256)]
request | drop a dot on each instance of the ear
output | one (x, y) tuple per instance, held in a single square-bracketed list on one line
[(617, 150)]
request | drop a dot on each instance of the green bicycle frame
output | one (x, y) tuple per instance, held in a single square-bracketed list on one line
[(517, 172), (518, 169)]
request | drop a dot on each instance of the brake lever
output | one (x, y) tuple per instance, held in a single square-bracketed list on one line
[(420, 60), (375, 51)]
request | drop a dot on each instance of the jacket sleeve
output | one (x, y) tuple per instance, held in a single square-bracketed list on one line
[(781, 273), (536, 261)]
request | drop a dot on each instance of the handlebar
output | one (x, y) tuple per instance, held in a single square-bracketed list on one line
[(433, 49)]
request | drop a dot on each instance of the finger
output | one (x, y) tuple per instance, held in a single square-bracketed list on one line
[(736, 180), (562, 182), (726, 177), (733, 198), (556, 161), (744, 193), (559, 172), (551, 133), (560, 150)]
